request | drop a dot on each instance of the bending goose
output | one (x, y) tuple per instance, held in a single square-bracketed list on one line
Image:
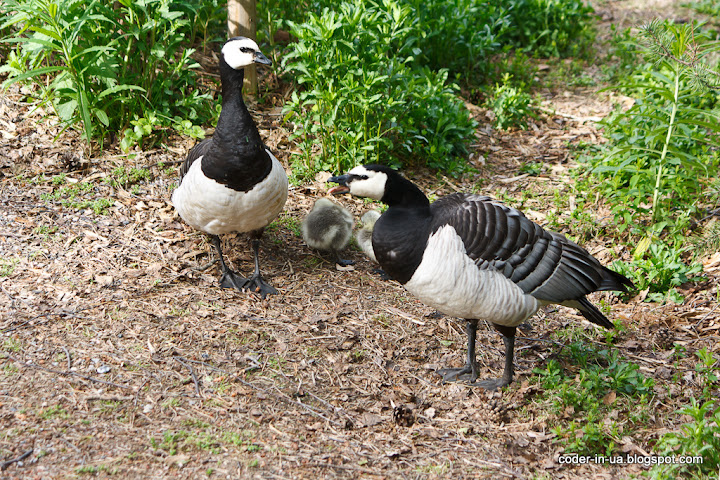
[(231, 182), (328, 227), (471, 257)]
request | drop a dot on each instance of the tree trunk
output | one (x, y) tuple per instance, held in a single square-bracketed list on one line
[(242, 20)]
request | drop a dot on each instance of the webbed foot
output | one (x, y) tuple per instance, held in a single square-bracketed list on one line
[(491, 384), (466, 373), (230, 279), (257, 284)]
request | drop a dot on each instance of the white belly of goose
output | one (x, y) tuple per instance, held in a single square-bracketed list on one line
[(216, 209), (449, 281)]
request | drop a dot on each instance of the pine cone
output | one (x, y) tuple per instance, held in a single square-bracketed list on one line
[(493, 411), (403, 416), (664, 338)]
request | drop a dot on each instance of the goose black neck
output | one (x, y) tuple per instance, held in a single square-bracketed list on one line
[(400, 234), (401, 192), (235, 119), (237, 157), (231, 80)]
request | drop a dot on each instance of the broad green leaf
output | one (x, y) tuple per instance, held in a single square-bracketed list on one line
[(32, 73)]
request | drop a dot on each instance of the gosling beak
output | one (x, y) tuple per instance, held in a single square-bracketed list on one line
[(342, 187), (258, 57)]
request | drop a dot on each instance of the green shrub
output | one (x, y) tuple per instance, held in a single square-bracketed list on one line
[(459, 35), (274, 15), (511, 105), (658, 160), (698, 438), (360, 104), (110, 63), (549, 28), (600, 373), (661, 158)]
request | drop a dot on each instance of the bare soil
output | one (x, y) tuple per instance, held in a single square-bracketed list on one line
[(121, 357)]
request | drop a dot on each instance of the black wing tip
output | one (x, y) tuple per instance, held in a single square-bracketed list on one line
[(591, 312), (615, 281)]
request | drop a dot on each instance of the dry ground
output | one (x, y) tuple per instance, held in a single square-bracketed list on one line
[(121, 357)]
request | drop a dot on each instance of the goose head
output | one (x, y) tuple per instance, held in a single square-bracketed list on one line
[(364, 181), (239, 52), (379, 183)]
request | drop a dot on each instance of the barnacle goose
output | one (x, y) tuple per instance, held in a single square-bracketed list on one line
[(471, 257), (328, 227), (363, 235), (231, 182)]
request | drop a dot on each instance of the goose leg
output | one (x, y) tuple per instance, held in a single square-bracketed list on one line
[(470, 370), (256, 283), (229, 279), (342, 262), (508, 336)]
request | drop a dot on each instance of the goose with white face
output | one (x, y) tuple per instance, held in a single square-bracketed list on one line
[(362, 182), (239, 52)]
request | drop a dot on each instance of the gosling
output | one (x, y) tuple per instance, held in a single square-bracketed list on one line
[(363, 235), (328, 227)]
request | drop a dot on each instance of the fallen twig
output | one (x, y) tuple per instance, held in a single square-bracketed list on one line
[(67, 354), (192, 373), (60, 372), (346, 467), (22, 457), (281, 396)]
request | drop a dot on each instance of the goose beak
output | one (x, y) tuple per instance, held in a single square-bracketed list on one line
[(258, 57), (342, 187)]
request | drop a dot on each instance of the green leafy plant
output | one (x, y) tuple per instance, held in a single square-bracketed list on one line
[(359, 104), (549, 27), (79, 196), (622, 59), (7, 266), (708, 7), (659, 270), (511, 105), (62, 29), (125, 177), (662, 142), (707, 372), (602, 375), (109, 64), (661, 157), (469, 29), (698, 439)]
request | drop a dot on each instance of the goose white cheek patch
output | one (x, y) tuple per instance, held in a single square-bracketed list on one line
[(371, 187), (235, 57)]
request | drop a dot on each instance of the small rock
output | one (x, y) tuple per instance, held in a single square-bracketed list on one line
[(103, 369)]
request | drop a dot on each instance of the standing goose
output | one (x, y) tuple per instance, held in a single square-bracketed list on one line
[(231, 182), (471, 257)]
